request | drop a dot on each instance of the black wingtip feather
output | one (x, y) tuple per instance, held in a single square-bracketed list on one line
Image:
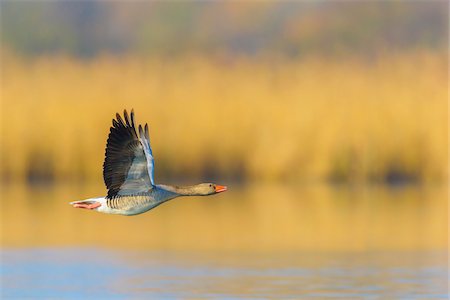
[(119, 118), (125, 114), (146, 132)]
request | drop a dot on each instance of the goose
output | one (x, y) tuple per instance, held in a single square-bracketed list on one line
[(128, 173)]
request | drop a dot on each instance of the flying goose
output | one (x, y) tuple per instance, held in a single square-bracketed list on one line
[(128, 174)]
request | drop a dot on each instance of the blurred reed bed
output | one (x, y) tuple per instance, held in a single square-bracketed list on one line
[(238, 118)]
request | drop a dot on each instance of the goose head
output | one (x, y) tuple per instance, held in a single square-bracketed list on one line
[(205, 189)]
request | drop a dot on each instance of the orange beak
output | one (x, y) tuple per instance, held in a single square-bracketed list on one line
[(220, 188)]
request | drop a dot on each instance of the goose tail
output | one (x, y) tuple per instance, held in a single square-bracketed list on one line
[(92, 203)]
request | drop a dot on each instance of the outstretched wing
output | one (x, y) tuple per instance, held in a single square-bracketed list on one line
[(128, 166), (144, 138)]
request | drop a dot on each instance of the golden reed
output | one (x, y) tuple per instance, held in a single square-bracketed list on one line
[(265, 119)]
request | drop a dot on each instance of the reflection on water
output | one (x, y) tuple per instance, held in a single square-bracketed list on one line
[(99, 273), (254, 218), (274, 241)]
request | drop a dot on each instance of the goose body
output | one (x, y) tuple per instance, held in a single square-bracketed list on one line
[(128, 174)]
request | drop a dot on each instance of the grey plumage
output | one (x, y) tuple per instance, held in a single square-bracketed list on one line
[(128, 173)]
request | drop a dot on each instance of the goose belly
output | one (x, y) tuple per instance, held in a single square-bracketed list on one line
[(129, 205)]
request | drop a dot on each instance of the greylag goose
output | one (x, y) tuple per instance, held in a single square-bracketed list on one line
[(128, 174)]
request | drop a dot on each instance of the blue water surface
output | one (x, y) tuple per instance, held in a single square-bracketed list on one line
[(97, 273)]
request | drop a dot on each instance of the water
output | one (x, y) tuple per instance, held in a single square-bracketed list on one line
[(101, 273), (316, 242)]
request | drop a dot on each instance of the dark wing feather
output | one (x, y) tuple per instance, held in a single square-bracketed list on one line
[(125, 170)]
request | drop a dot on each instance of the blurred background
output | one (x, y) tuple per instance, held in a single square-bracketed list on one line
[(327, 121)]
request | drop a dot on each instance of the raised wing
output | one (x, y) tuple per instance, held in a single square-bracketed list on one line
[(144, 138), (126, 167)]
